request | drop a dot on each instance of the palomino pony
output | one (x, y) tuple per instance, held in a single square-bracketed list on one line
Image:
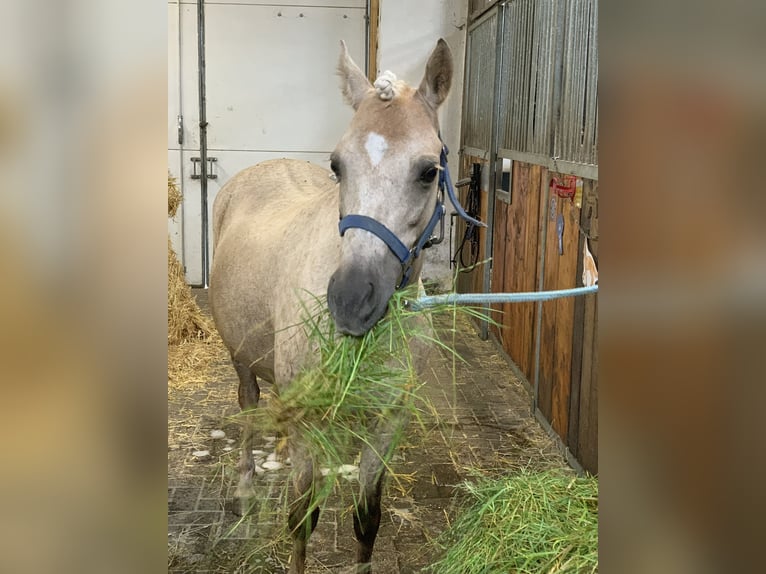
[(277, 238)]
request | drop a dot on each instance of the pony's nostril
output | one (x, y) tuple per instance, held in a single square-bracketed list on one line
[(370, 293)]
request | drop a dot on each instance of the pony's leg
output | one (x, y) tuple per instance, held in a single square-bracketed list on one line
[(372, 473), (302, 519), (248, 395)]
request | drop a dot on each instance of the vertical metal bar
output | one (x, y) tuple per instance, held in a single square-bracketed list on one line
[(501, 88), (483, 118), (367, 24), (544, 31), (524, 79), (575, 106), (589, 116), (505, 86), (497, 59), (180, 124), (202, 137), (592, 107), (556, 132), (513, 75), (519, 75), (540, 287), (535, 76), (594, 142), (465, 120), (518, 80), (582, 52), (528, 61), (548, 31), (493, 159), (581, 38), (566, 94)]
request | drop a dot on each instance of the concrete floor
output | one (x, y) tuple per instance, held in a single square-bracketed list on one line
[(483, 421)]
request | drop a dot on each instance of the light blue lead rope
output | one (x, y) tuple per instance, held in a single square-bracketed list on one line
[(488, 298)]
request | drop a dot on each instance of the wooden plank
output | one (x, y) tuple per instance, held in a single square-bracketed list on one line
[(562, 358), (587, 447), (542, 214), (587, 439), (522, 275), (519, 270), (577, 343), (511, 267), (548, 330), (529, 275), (374, 19)]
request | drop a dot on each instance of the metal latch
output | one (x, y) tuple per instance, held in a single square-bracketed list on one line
[(210, 161)]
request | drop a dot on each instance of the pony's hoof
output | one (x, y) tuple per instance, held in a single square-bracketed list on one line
[(242, 506)]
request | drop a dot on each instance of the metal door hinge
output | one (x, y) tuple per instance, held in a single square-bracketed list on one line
[(210, 161)]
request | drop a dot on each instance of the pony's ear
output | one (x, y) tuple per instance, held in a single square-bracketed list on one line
[(354, 83), (437, 80)]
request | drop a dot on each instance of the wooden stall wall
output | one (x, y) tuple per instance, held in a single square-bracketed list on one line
[(557, 329), (515, 262), (525, 233), (582, 438), (530, 98)]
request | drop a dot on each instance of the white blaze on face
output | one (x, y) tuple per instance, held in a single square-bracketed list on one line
[(376, 147)]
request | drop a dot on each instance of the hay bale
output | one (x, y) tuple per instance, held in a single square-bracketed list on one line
[(194, 347), (174, 196), (185, 319)]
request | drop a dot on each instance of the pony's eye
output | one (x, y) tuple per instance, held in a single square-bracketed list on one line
[(335, 167), (429, 175)]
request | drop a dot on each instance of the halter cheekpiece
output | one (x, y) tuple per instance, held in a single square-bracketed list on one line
[(405, 255)]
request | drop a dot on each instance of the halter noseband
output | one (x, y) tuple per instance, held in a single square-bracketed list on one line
[(407, 256)]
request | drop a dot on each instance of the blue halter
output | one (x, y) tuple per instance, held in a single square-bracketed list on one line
[(405, 255)]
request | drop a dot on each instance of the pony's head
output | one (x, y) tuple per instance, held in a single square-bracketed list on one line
[(387, 166)]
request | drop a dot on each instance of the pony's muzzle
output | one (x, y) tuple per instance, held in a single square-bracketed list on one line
[(356, 300)]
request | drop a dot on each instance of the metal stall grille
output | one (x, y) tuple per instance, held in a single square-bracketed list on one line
[(477, 7), (528, 68), (547, 102), (480, 85), (576, 138)]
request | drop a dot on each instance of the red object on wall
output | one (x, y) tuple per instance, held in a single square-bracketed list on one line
[(564, 186)]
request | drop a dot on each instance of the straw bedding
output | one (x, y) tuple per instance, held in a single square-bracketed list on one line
[(194, 346)]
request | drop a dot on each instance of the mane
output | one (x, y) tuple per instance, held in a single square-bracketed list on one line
[(387, 86)]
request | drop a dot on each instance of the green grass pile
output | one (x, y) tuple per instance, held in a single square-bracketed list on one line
[(528, 523), (358, 386)]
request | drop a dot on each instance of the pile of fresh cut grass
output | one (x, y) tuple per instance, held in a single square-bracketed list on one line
[(543, 522), (357, 384), (358, 387)]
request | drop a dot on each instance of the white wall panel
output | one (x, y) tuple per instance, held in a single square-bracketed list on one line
[(272, 91), (271, 81), (408, 34)]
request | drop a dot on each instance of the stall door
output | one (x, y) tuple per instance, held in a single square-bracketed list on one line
[(271, 90)]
